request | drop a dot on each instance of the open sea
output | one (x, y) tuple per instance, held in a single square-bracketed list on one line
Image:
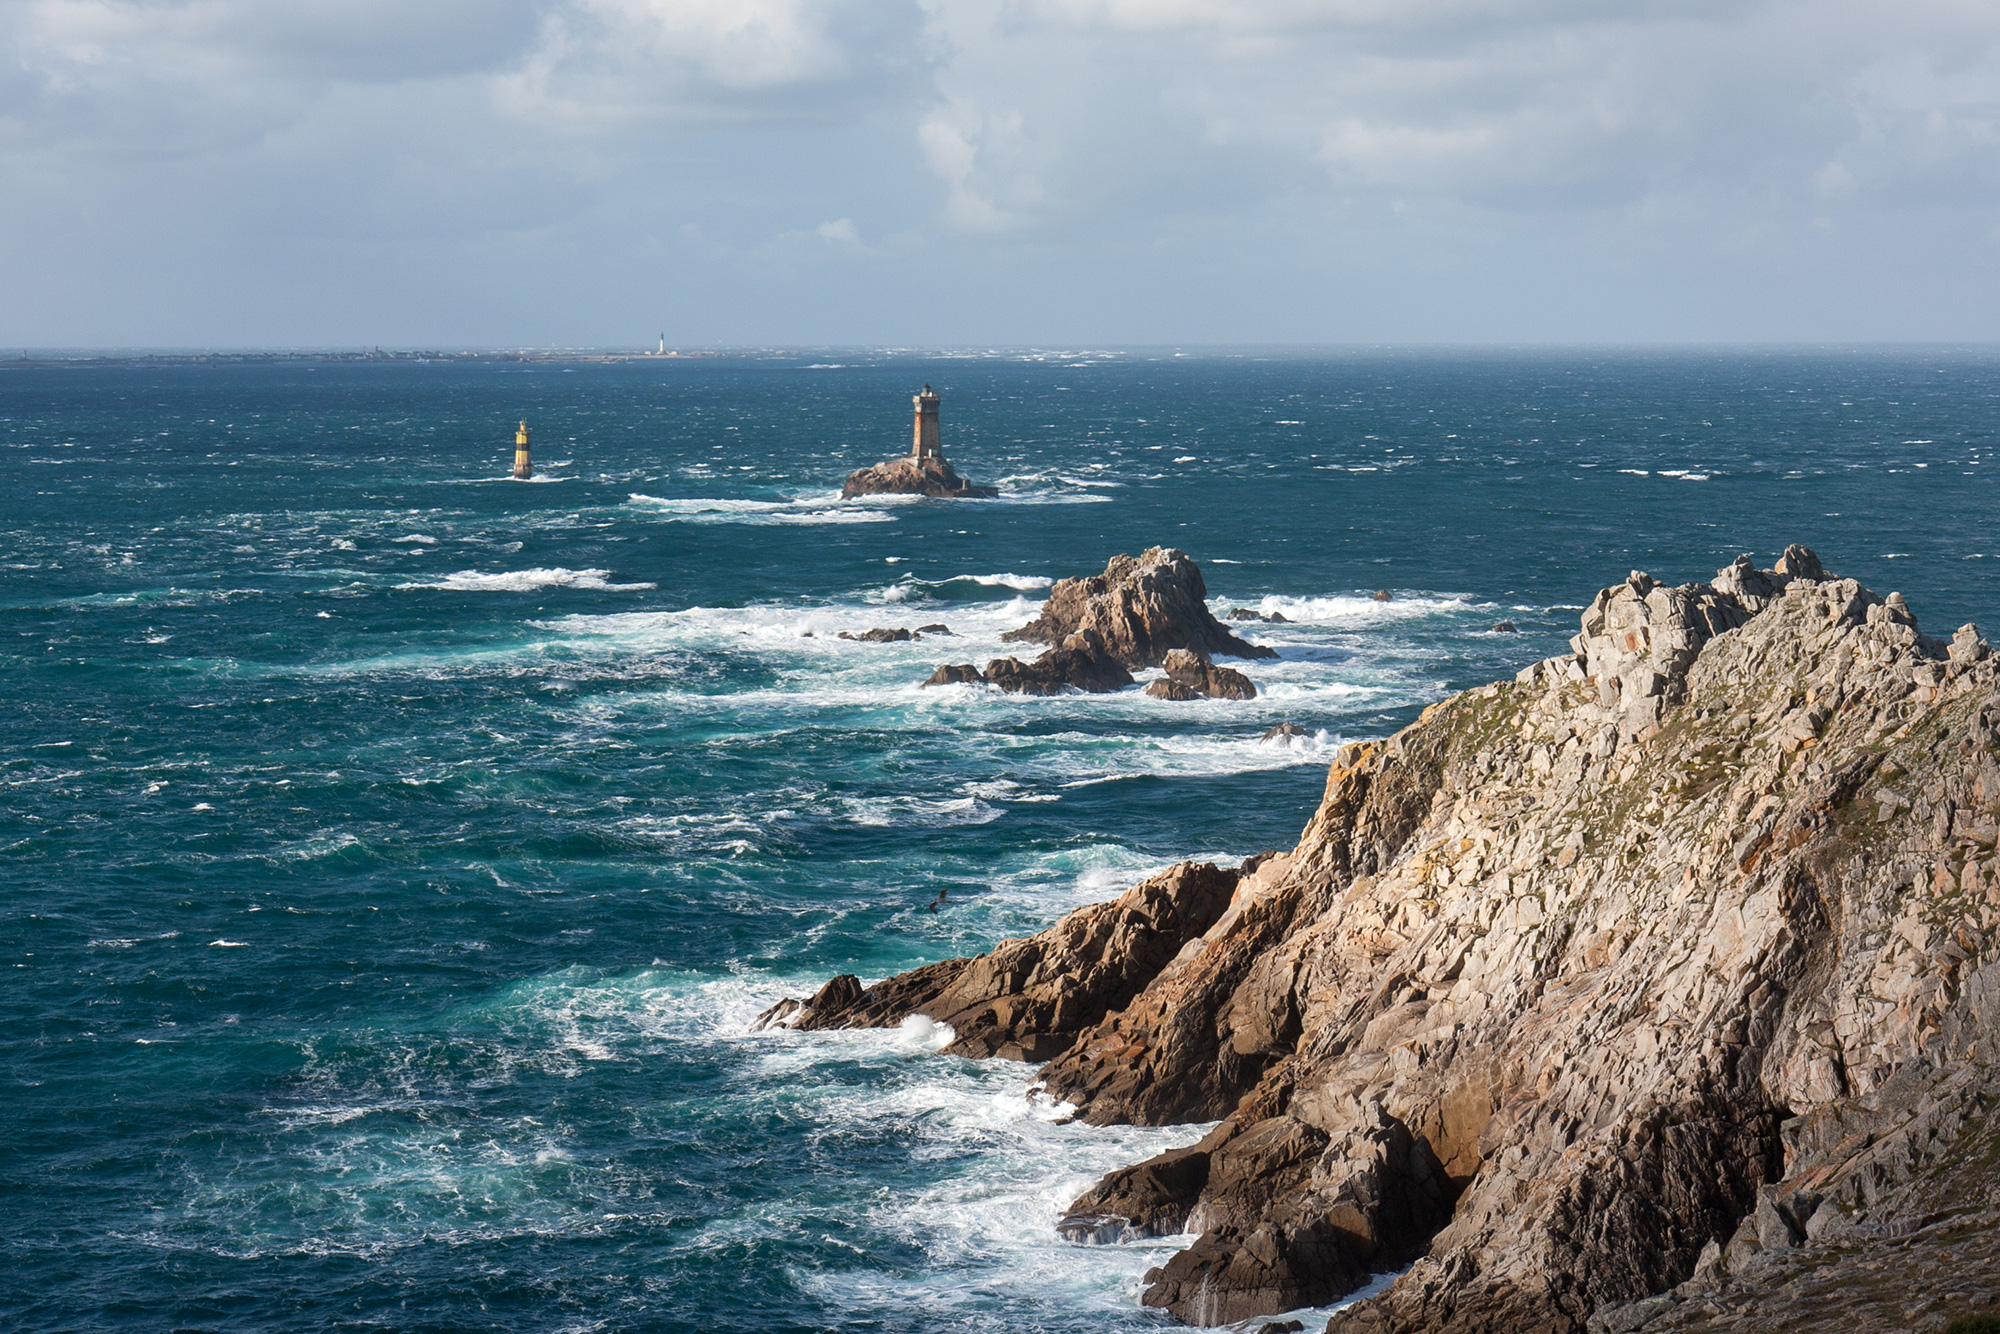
[(393, 856)]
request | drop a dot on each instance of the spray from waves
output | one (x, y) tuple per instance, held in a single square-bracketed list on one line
[(527, 581), (961, 587), (1356, 611), (424, 1136)]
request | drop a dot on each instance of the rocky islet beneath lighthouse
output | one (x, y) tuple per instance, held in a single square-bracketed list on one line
[(923, 471)]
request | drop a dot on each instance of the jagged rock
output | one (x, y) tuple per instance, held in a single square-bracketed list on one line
[(1080, 662), (1028, 999), (930, 476), (1233, 1274), (1190, 675), (1142, 606), (1285, 731), (1503, 628), (953, 674), (1149, 1199), (935, 629), (1658, 989), (1383, 595), (879, 635), (1246, 614)]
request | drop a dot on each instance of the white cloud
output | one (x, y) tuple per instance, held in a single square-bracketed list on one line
[(1282, 147)]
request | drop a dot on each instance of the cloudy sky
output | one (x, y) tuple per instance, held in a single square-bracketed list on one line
[(920, 172)]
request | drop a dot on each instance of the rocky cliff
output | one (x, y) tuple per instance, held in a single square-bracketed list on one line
[(1653, 990)]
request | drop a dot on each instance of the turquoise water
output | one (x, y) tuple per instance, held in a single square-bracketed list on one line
[(394, 855)]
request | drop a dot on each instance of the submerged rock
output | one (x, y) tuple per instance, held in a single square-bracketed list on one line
[(1143, 607), (1285, 731), (880, 635), (1503, 628)]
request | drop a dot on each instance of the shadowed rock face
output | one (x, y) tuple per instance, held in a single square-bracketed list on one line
[(1079, 663), (1191, 675), (1028, 999), (1658, 989), (1143, 606), (930, 476)]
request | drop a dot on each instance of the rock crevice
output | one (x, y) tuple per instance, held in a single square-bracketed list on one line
[(1646, 991)]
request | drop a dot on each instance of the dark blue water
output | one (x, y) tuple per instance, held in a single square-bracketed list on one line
[(394, 855)]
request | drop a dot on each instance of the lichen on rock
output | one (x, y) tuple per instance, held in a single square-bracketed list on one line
[(1646, 991)]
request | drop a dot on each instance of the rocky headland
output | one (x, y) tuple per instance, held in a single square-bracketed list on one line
[(1653, 990), (1149, 610), (928, 476)]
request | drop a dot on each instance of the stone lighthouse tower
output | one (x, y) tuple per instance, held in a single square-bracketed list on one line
[(523, 469), (924, 441)]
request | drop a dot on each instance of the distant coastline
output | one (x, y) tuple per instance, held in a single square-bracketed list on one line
[(571, 356)]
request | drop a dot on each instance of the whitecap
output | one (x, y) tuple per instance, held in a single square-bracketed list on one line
[(527, 581)]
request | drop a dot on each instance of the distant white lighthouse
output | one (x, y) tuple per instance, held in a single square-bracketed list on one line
[(663, 345)]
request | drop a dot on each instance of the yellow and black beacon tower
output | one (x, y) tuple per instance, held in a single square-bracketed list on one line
[(523, 469)]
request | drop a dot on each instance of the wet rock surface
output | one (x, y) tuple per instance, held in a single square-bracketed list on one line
[(930, 476), (1078, 663), (1191, 675), (894, 634), (1657, 989), (1141, 607)]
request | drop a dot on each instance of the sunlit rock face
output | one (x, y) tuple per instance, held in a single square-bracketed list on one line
[(1653, 990)]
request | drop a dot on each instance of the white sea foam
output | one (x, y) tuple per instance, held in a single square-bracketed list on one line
[(919, 1033), (817, 508), (1351, 610), (527, 581), (912, 588)]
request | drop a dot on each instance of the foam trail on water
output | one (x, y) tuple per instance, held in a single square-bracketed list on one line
[(527, 581)]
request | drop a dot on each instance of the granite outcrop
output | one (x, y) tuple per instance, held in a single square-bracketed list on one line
[(1149, 610), (1190, 675), (910, 476), (1656, 989), (1143, 607)]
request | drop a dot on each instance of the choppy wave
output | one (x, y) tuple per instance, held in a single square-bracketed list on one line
[(822, 508), (527, 581)]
